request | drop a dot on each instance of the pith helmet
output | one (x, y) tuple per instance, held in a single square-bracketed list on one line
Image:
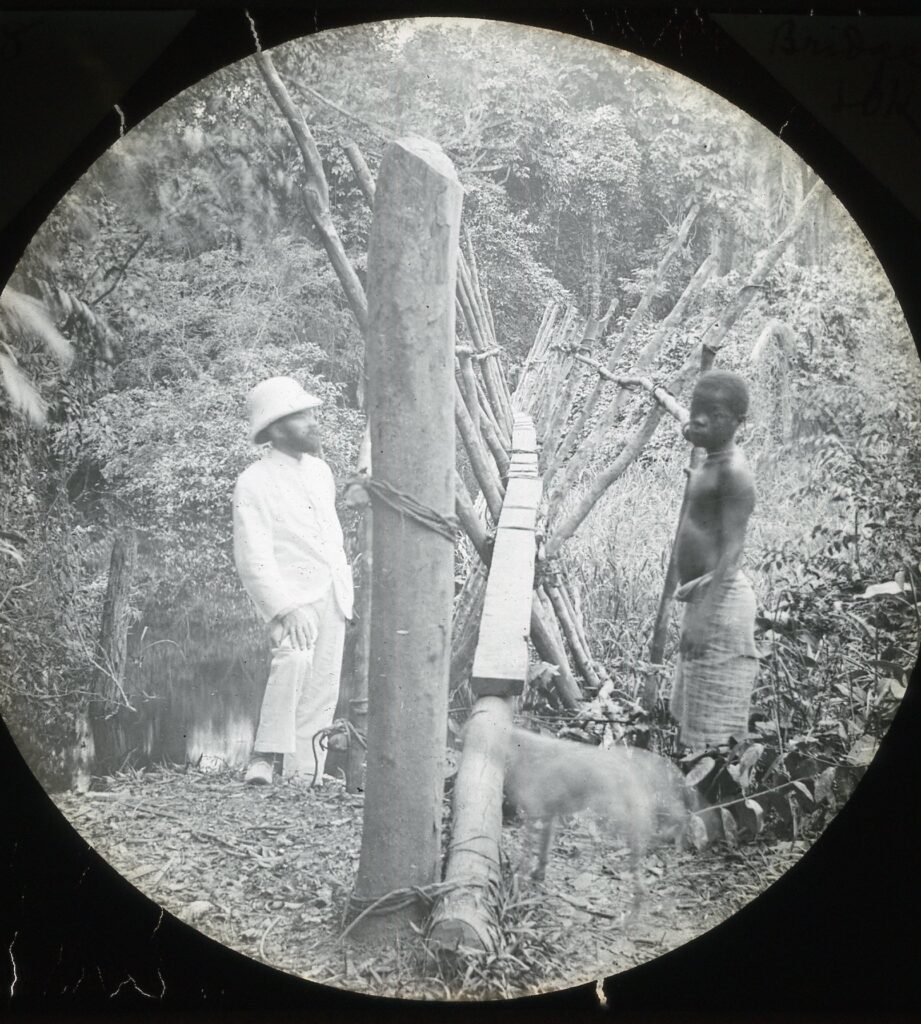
[(273, 399)]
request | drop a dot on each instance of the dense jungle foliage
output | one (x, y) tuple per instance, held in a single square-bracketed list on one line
[(183, 268)]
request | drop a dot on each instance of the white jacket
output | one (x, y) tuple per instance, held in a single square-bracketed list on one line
[(287, 539)]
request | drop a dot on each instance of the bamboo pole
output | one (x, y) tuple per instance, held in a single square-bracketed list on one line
[(492, 327), (470, 271), (555, 356), (653, 348), (549, 613), (580, 654), (496, 397), (650, 352), (580, 460), (471, 522), (607, 422), (568, 595), (560, 414), (495, 446), (486, 475), (468, 387), (487, 414), (361, 170), (548, 644), (412, 256), (529, 391), (468, 606), (666, 602), (521, 398), (628, 453), (638, 315)]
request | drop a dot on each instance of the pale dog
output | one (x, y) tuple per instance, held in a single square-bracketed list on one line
[(635, 795)]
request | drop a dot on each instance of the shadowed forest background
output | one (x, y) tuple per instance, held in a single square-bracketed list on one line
[(182, 270)]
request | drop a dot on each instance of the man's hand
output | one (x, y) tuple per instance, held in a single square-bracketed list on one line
[(300, 626)]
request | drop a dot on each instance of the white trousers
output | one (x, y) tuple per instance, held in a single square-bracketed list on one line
[(302, 691)]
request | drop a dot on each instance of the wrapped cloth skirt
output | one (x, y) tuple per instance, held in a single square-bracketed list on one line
[(711, 693)]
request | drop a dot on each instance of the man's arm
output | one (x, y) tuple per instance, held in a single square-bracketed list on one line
[(254, 554), (736, 502)]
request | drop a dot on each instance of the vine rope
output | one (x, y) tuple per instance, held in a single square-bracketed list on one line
[(406, 504)]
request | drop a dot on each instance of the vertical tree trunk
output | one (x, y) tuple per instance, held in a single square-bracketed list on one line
[(110, 733), (412, 260), (358, 691)]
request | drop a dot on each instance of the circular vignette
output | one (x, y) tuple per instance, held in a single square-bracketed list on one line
[(513, 317)]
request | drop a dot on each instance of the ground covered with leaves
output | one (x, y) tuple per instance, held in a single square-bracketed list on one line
[(268, 872)]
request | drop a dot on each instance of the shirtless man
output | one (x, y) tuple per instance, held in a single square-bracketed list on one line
[(717, 663)]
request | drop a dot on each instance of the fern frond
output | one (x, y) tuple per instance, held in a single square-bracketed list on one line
[(73, 306), (29, 316), (21, 392)]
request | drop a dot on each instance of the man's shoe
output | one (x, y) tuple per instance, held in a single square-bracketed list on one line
[(259, 772)]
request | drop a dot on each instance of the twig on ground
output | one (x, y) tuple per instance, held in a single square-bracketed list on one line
[(581, 906), (160, 875), (265, 935)]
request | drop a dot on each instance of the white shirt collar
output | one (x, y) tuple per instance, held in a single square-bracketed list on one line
[(282, 458)]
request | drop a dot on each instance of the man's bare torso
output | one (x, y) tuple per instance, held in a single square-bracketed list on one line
[(720, 498)]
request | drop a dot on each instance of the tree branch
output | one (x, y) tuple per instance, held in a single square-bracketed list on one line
[(664, 397)]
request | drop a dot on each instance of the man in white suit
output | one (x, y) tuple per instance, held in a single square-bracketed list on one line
[(288, 550)]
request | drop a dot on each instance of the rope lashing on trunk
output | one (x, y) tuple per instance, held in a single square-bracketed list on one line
[(404, 504), (397, 899)]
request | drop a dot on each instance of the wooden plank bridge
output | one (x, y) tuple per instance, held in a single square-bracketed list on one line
[(465, 917)]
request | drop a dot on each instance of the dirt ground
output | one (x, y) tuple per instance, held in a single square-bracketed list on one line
[(268, 872)]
